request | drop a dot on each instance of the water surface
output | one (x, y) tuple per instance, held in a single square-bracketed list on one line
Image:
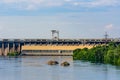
[(36, 68)]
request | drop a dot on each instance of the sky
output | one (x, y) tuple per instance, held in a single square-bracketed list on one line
[(74, 19)]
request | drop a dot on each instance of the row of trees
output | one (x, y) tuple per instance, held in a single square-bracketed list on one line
[(108, 54)]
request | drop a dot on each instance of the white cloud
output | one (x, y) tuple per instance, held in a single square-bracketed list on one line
[(30, 7), (32, 4), (109, 27), (105, 3), (36, 4), (20, 1), (43, 2), (68, 0), (97, 3)]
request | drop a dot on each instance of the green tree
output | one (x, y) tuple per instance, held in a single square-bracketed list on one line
[(109, 54)]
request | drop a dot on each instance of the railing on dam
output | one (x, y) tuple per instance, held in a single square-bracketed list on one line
[(16, 45), (47, 52)]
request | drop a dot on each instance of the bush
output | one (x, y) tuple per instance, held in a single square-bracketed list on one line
[(109, 54), (13, 54)]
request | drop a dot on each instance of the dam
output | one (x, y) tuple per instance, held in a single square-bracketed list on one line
[(54, 46), (49, 46)]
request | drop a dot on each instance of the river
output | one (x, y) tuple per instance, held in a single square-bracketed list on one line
[(36, 68)]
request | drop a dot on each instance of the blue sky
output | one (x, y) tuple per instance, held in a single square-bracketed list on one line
[(73, 18)]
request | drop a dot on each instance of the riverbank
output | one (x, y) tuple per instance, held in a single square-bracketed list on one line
[(107, 54)]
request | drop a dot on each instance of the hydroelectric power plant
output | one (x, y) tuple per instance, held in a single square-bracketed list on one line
[(54, 46)]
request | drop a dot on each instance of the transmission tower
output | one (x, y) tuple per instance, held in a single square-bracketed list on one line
[(106, 35)]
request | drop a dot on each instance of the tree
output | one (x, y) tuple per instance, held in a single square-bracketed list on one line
[(109, 54)]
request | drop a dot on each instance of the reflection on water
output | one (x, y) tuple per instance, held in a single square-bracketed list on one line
[(36, 68)]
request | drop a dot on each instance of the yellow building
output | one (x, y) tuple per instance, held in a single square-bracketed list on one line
[(52, 49)]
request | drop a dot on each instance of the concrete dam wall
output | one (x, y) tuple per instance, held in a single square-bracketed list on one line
[(49, 46), (52, 49)]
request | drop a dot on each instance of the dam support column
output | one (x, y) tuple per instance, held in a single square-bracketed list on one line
[(6, 51), (2, 49), (12, 48), (19, 48)]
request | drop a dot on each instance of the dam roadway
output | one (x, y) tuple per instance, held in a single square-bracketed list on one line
[(49, 46)]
